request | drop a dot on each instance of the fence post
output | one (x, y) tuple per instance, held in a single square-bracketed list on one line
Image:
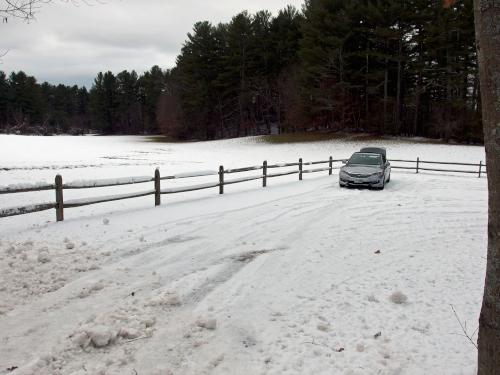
[(330, 171), (418, 163), (59, 198), (157, 188), (300, 169), (264, 174), (221, 179), (480, 168)]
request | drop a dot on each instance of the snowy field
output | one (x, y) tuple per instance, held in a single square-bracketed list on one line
[(298, 278)]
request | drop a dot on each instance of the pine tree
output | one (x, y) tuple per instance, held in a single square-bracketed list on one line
[(4, 100)]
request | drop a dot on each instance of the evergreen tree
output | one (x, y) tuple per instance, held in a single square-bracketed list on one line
[(152, 85), (4, 100), (129, 109)]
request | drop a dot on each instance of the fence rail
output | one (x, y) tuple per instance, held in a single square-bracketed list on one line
[(60, 204)]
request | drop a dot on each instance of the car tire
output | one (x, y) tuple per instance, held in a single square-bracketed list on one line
[(389, 179), (383, 185)]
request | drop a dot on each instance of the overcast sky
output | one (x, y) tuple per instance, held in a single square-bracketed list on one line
[(69, 44)]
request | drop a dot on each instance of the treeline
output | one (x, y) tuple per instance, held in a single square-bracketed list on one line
[(28, 107), (121, 104), (405, 67)]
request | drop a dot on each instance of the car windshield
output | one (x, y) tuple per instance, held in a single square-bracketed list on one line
[(365, 159)]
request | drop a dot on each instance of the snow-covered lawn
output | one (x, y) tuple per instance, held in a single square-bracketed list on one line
[(298, 278)]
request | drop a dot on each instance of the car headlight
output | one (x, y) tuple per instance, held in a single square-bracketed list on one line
[(378, 174)]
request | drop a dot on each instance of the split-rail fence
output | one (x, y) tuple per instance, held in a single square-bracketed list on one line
[(60, 204)]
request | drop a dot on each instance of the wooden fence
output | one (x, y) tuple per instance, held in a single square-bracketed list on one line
[(60, 204)]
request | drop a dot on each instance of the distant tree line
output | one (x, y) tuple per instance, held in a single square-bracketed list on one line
[(121, 104), (405, 67)]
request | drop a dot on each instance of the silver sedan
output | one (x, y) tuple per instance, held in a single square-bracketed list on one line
[(365, 169)]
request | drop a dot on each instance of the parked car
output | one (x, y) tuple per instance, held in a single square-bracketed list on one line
[(369, 168)]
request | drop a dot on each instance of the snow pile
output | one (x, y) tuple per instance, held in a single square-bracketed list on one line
[(105, 330)]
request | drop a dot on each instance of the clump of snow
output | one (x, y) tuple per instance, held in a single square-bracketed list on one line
[(43, 255), (210, 323), (129, 333), (97, 336), (11, 250), (87, 291), (70, 245), (28, 244), (106, 330), (398, 297), (323, 326), (165, 299), (105, 221)]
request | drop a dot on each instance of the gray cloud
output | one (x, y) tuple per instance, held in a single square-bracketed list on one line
[(70, 44)]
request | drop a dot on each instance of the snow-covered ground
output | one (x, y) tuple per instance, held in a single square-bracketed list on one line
[(298, 278)]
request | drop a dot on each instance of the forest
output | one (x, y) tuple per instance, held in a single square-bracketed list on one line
[(387, 67)]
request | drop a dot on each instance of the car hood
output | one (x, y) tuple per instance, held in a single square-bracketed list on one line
[(361, 169)]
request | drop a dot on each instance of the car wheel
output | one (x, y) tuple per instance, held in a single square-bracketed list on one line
[(389, 179), (383, 185)]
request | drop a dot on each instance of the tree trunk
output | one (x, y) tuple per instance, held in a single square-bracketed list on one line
[(386, 96), (487, 14), (398, 88), (367, 105), (418, 90)]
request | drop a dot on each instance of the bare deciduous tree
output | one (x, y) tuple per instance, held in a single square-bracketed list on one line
[(20, 8), (487, 16), (26, 9)]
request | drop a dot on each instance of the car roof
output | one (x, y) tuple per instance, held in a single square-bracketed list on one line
[(368, 153), (376, 150)]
